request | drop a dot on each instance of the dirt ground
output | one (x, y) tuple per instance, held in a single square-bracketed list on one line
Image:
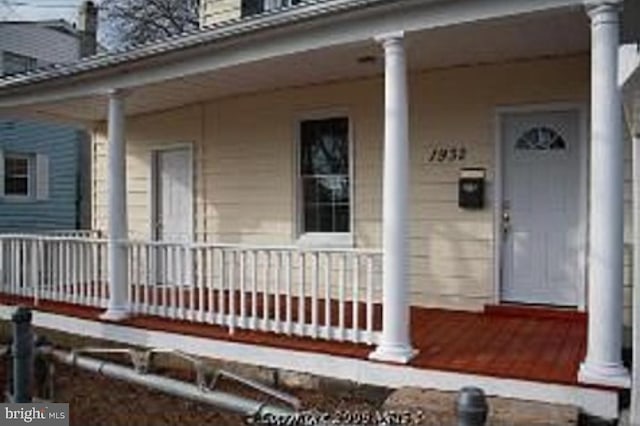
[(95, 400)]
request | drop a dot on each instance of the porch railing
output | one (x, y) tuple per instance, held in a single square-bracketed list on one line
[(321, 293), (58, 268), (330, 294)]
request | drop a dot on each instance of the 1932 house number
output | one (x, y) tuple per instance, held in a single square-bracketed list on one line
[(445, 154)]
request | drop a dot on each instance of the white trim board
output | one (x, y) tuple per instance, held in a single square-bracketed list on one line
[(598, 402)]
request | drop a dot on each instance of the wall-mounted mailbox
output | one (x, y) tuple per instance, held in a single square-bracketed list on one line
[(471, 188)]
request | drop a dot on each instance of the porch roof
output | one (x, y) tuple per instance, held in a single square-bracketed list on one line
[(319, 41)]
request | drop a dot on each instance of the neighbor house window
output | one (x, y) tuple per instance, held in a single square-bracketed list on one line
[(17, 171), (254, 7), (324, 176), (13, 63)]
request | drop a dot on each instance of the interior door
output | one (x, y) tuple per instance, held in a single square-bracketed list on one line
[(541, 208)]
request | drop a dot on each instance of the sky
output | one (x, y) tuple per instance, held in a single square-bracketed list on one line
[(39, 9)]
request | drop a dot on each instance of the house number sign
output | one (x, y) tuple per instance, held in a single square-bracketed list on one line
[(445, 154)]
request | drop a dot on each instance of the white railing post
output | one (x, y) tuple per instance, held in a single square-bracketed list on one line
[(34, 279), (118, 308)]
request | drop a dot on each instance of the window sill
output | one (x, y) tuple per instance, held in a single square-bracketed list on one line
[(325, 240)]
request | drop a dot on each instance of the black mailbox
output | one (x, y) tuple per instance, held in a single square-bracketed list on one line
[(471, 189)]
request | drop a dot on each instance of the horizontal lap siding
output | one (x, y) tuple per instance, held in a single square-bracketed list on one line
[(244, 164), (61, 145), (452, 263)]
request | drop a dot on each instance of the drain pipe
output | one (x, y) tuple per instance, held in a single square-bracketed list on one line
[(225, 401), (22, 355)]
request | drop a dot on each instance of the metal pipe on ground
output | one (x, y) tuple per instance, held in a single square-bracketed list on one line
[(225, 401)]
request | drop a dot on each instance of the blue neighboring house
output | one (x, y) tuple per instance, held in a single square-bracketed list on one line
[(44, 167)]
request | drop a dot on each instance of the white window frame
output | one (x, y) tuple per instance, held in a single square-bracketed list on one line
[(30, 177), (323, 239)]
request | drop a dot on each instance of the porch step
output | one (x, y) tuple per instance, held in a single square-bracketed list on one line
[(535, 311)]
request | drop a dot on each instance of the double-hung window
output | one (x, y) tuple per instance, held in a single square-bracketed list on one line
[(325, 180), (24, 177), (17, 175)]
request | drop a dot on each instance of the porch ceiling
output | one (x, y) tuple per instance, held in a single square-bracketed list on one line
[(558, 32)]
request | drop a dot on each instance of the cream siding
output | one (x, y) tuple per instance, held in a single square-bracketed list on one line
[(245, 161), (216, 11)]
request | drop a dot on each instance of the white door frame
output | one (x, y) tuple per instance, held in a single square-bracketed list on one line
[(153, 190), (498, 198)]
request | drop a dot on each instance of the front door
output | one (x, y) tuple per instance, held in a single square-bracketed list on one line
[(172, 213), (541, 208), (173, 195)]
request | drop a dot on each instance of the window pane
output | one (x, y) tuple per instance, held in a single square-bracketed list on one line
[(311, 218), (325, 189), (325, 218), (252, 7), (341, 189), (309, 191), (16, 166), (342, 218), (324, 147), (16, 186)]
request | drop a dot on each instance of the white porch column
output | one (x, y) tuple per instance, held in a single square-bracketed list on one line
[(395, 345), (603, 363), (117, 208)]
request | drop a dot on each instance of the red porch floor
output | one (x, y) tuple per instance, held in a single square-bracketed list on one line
[(506, 343)]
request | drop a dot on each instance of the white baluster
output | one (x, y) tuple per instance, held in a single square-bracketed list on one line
[(191, 284), (301, 295), (232, 292), (254, 290), (35, 282), (201, 268), (369, 299), (289, 272), (356, 297), (210, 283), (327, 295), (166, 279), (265, 291), (276, 291), (341, 292), (181, 284), (314, 295), (222, 271), (243, 298)]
